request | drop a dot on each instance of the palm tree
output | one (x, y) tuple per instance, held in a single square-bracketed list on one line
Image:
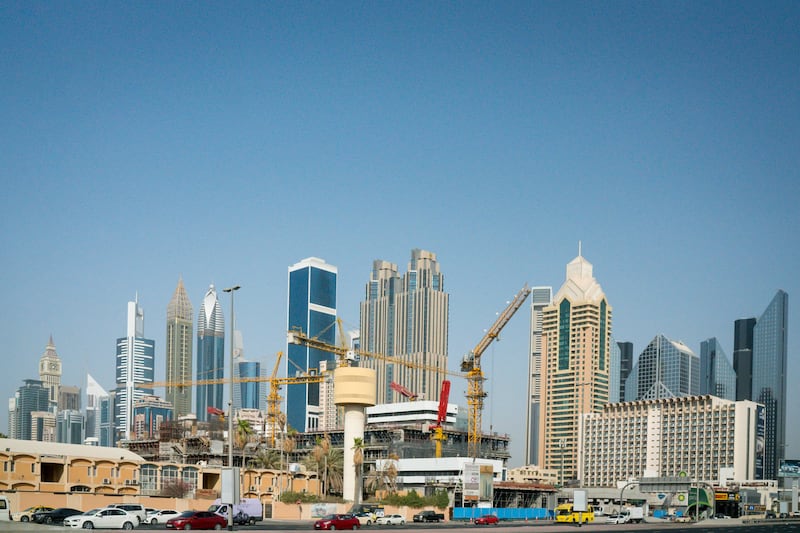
[(288, 446), (243, 433), (266, 458), (317, 460), (358, 463)]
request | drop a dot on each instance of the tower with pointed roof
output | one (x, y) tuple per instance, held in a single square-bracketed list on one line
[(210, 354), (50, 371), (179, 350), (135, 367), (576, 337)]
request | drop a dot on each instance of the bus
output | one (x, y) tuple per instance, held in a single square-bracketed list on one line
[(565, 513)]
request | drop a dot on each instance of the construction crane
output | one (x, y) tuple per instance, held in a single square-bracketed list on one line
[(403, 391), (346, 356), (441, 416), (273, 398), (471, 364)]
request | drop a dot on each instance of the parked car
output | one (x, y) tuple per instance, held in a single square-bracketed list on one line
[(366, 519), (161, 517), (25, 516), (197, 520), (5, 509), (428, 516), (617, 519), (337, 521), (391, 520), (486, 520), (136, 509), (56, 516), (108, 518)]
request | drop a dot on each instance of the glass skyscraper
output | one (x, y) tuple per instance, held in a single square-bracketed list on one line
[(31, 397), (406, 318), (312, 309), (769, 379), (135, 366), (179, 350), (210, 354), (665, 369), (541, 297), (743, 357), (716, 372)]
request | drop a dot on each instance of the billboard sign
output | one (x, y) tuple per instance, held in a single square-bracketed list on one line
[(761, 428), (472, 481), (486, 483), (789, 468)]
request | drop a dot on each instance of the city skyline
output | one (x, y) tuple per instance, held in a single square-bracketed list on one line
[(498, 136)]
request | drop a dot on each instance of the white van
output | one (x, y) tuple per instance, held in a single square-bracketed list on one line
[(5, 509)]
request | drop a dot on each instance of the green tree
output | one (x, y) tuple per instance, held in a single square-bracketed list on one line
[(243, 433), (358, 464), (267, 458), (327, 462)]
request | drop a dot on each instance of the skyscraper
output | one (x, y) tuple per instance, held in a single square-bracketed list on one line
[(50, 372), (312, 309), (665, 369), (32, 396), (407, 319), (743, 357), (135, 366), (210, 353), (541, 297), (576, 335), (716, 372), (94, 394), (70, 426), (69, 398), (625, 365), (179, 350), (769, 379)]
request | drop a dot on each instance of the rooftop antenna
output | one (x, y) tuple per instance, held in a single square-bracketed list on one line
[(579, 248)]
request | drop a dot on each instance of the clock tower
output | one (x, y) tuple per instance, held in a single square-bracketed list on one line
[(50, 371)]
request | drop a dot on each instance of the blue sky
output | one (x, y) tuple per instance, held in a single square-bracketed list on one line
[(224, 142)]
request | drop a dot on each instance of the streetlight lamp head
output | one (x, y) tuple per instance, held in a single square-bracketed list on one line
[(231, 289)]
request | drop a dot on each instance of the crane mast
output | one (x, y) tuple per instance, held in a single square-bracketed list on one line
[(471, 364)]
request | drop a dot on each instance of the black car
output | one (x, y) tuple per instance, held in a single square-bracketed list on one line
[(56, 516)]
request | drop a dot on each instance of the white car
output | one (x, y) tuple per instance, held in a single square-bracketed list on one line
[(108, 518), (161, 517), (617, 519), (391, 520)]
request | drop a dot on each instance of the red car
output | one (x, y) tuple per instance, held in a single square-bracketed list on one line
[(337, 521), (486, 520), (197, 520)]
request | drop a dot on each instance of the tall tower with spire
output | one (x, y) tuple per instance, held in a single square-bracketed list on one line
[(50, 371), (179, 350), (210, 353), (576, 337), (135, 366)]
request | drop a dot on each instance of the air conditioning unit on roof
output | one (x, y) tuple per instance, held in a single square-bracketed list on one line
[(106, 481)]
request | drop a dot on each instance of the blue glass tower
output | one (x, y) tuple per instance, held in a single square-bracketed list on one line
[(312, 309), (249, 392), (716, 373), (32, 396), (210, 354), (769, 379), (665, 369)]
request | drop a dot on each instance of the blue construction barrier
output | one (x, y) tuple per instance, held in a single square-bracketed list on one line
[(503, 513)]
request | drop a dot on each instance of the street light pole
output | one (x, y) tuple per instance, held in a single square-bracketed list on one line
[(231, 290)]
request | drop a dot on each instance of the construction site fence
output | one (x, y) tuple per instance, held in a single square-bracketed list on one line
[(503, 513)]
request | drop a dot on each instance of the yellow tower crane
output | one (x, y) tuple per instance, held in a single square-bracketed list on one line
[(471, 364), (346, 356)]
